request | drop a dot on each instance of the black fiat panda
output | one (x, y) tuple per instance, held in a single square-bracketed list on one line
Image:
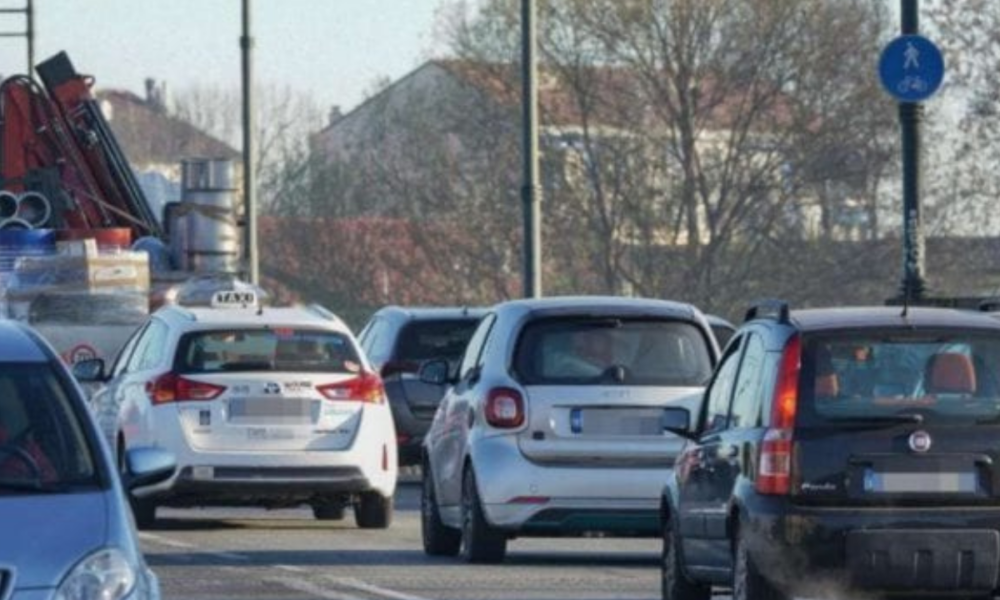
[(839, 450)]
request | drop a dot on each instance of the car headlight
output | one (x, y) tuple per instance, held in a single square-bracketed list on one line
[(104, 575)]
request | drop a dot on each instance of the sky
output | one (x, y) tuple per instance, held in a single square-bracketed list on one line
[(333, 50)]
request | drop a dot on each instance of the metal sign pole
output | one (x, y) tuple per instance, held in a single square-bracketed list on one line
[(910, 117)]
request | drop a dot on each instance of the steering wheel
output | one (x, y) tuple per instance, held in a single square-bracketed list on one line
[(22, 456)]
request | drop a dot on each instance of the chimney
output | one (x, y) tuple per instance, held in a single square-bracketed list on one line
[(155, 95), (335, 114)]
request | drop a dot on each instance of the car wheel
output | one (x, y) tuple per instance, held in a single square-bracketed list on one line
[(143, 509), (675, 585), (748, 583), (329, 511), (480, 542), (373, 511), (439, 539)]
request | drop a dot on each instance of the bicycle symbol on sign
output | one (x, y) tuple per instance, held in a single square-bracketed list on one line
[(911, 83)]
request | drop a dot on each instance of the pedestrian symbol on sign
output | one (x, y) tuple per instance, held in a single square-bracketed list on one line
[(912, 57)]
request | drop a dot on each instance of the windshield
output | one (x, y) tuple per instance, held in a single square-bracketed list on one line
[(42, 443), (946, 376), (275, 349), (610, 350)]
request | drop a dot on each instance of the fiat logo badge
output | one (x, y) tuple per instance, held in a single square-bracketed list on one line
[(920, 441)]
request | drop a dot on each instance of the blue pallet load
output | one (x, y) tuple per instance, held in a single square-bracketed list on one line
[(15, 243)]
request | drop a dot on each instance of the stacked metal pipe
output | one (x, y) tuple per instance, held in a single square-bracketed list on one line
[(27, 210)]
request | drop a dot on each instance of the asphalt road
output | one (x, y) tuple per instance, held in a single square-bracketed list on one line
[(215, 554)]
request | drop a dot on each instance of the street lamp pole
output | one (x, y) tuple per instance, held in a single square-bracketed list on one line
[(910, 118), (249, 163), (531, 190)]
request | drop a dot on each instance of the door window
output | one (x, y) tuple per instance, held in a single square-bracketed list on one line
[(747, 399), (720, 390), (473, 353)]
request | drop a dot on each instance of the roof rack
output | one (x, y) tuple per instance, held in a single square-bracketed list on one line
[(768, 308)]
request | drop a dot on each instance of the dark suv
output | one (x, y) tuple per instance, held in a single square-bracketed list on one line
[(398, 340), (841, 449)]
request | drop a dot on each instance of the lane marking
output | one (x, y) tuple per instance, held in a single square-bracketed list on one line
[(363, 586), (314, 591), (165, 541), (292, 568)]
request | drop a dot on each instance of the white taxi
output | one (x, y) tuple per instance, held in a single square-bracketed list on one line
[(262, 406)]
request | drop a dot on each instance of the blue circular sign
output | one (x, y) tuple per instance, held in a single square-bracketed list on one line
[(911, 68)]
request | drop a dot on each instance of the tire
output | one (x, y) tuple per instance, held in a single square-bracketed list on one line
[(439, 539), (674, 584), (329, 511), (143, 509), (373, 511), (748, 583), (480, 542)]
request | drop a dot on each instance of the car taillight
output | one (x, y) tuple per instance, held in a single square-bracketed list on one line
[(774, 467), (366, 387), (504, 408), (171, 387)]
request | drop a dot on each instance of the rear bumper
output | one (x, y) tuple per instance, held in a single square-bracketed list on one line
[(261, 486), (528, 498), (940, 551)]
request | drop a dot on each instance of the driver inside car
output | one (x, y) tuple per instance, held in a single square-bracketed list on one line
[(21, 456)]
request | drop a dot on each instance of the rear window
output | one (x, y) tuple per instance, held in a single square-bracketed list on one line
[(940, 376), (600, 351), (424, 340), (275, 349)]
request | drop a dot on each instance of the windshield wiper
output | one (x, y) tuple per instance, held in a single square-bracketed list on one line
[(879, 420)]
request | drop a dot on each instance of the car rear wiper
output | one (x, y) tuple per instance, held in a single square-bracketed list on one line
[(879, 420)]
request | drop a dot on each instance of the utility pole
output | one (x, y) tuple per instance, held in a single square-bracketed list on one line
[(531, 190), (911, 115), (249, 162), (28, 33)]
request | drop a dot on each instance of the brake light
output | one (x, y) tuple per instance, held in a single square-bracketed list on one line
[(504, 408), (774, 465), (366, 387), (171, 387)]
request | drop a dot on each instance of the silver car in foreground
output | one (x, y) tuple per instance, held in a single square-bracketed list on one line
[(552, 424), (65, 526)]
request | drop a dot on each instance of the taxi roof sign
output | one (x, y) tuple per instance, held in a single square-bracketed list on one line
[(235, 299)]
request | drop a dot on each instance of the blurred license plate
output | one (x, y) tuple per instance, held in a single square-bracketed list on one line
[(270, 407), (604, 421), (929, 483)]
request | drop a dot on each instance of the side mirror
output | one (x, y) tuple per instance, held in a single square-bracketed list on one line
[(148, 466), (435, 372), (677, 420), (90, 370)]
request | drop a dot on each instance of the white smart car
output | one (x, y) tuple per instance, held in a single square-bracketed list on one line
[(262, 406)]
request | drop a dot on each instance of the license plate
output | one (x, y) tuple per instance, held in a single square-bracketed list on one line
[(616, 422), (928, 483), (255, 408)]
